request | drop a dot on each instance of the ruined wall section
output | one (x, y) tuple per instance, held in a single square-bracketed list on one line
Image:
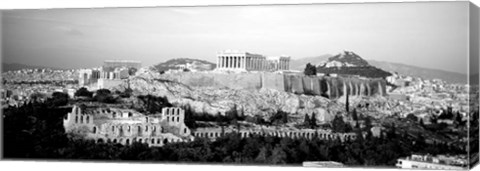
[(214, 133), (217, 80), (126, 127)]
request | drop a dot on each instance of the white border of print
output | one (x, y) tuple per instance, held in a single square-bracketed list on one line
[(82, 166)]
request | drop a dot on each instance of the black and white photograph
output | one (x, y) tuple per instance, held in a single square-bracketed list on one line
[(322, 85)]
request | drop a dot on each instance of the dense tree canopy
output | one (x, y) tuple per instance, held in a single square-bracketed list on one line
[(310, 69), (35, 130), (83, 92)]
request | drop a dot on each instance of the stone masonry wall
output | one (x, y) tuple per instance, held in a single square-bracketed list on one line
[(332, 87)]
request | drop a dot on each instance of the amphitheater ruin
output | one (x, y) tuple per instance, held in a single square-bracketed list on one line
[(126, 126)]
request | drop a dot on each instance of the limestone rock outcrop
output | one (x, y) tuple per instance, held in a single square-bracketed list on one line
[(213, 101)]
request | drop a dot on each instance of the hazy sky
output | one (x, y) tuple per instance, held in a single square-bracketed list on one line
[(431, 35)]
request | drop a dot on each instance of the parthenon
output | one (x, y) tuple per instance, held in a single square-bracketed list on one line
[(244, 61)]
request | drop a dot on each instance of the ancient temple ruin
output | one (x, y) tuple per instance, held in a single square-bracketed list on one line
[(244, 61)]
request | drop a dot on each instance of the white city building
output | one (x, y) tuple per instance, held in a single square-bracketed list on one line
[(429, 162)]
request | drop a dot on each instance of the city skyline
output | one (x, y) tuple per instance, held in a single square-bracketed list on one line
[(416, 34)]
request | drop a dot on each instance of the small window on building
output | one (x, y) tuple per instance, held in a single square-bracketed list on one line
[(94, 130), (81, 119), (184, 130), (178, 119), (76, 119), (130, 114), (146, 128), (146, 119), (113, 128), (173, 119), (88, 119)]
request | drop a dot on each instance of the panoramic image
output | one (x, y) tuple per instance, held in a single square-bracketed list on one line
[(379, 85)]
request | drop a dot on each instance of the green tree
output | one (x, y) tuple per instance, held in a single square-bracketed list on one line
[(422, 124), (306, 121), (338, 125), (59, 98), (132, 71), (278, 156), (310, 69), (313, 121), (354, 115), (104, 96), (83, 92)]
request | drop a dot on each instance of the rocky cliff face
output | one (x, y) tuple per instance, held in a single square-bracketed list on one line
[(213, 101)]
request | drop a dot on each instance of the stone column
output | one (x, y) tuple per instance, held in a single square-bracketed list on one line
[(219, 63), (235, 64), (244, 62), (223, 61), (233, 61)]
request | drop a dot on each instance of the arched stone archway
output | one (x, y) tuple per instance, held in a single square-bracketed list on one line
[(139, 130)]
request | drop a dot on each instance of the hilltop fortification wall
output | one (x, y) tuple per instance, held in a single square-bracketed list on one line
[(217, 80), (332, 87)]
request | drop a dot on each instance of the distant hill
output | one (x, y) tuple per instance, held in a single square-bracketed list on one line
[(16, 66), (424, 73), (415, 71), (196, 64), (299, 64), (349, 63)]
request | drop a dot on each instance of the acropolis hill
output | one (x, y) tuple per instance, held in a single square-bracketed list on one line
[(243, 70), (255, 89)]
